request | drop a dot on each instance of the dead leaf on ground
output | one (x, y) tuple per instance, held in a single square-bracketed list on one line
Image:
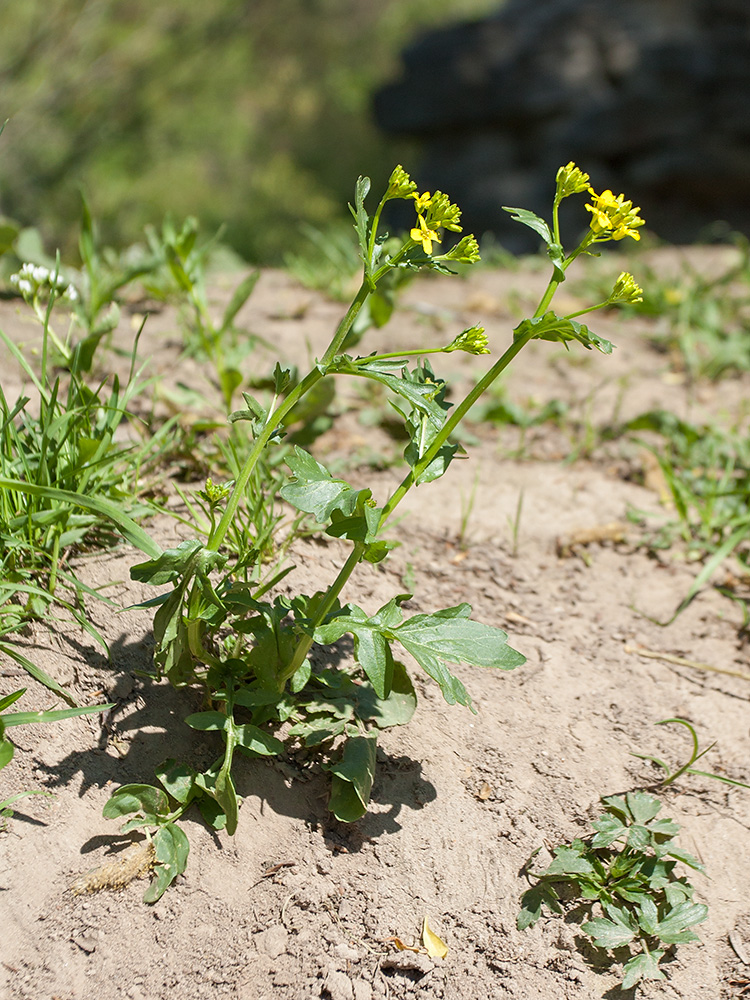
[(614, 531), (435, 947)]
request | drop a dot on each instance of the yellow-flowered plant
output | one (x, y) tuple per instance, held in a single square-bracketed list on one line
[(253, 654)]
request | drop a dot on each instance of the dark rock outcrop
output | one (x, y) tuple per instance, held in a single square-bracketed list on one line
[(650, 97)]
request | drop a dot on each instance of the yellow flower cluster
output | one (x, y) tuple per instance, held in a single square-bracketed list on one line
[(434, 211), (613, 218)]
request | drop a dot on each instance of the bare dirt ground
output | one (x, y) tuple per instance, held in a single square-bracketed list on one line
[(296, 906)]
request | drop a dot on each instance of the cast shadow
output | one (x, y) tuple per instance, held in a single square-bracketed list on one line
[(146, 727)]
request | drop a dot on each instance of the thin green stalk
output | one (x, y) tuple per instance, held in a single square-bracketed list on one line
[(409, 480), (303, 647), (272, 422)]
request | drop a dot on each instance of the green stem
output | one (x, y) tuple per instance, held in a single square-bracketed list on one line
[(303, 646), (453, 421), (272, 421), (357, 553)]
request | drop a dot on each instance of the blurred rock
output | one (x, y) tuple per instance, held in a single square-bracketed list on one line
[(650, 97)]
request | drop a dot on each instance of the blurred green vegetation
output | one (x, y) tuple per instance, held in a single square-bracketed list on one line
[(250, 113)]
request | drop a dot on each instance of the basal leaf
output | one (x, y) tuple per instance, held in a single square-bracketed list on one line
[(609, 828), (674, 928), (257, 741), (206, 721), (168, 565), (171, 849), (648, 915), (353, 777), (450, 635), (608, 933), (642, 807), (568, 861), (395, 710), (178, 779), (128, 799), (531, 904), (687, 859), (643, 966)]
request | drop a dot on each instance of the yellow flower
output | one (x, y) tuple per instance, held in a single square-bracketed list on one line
[(425, 236), (613, 218), (422, 201)]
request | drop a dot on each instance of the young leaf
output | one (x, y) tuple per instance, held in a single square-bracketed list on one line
[(352, 778), (533, 221), (362, 220), (643, 966), (171, 849), (314, 490)]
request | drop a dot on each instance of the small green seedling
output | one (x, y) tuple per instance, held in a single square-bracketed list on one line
[(687, 768), (625, 871)]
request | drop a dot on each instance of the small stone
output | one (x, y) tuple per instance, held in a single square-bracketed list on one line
[(346, 952), (408, 961), (362, 990), (85, 942), (273, 941), (339, 986)]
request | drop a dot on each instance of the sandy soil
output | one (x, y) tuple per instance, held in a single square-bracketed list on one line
[(298, 906)]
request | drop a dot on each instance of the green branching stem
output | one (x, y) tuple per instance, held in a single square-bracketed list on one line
[(303, 647), (413, 475)]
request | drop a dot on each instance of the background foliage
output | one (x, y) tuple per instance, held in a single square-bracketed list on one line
[(228, 111)]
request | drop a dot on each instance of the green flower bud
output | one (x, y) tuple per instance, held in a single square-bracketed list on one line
[(473, 341), (626, 289), (214, 494), (400, 184), (570, 180), (466, 251), (441, 213)]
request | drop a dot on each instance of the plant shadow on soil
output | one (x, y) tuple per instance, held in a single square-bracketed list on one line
[(145, 727)]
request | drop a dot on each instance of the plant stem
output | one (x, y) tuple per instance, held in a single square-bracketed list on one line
[(274, 416), (303, 646)]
